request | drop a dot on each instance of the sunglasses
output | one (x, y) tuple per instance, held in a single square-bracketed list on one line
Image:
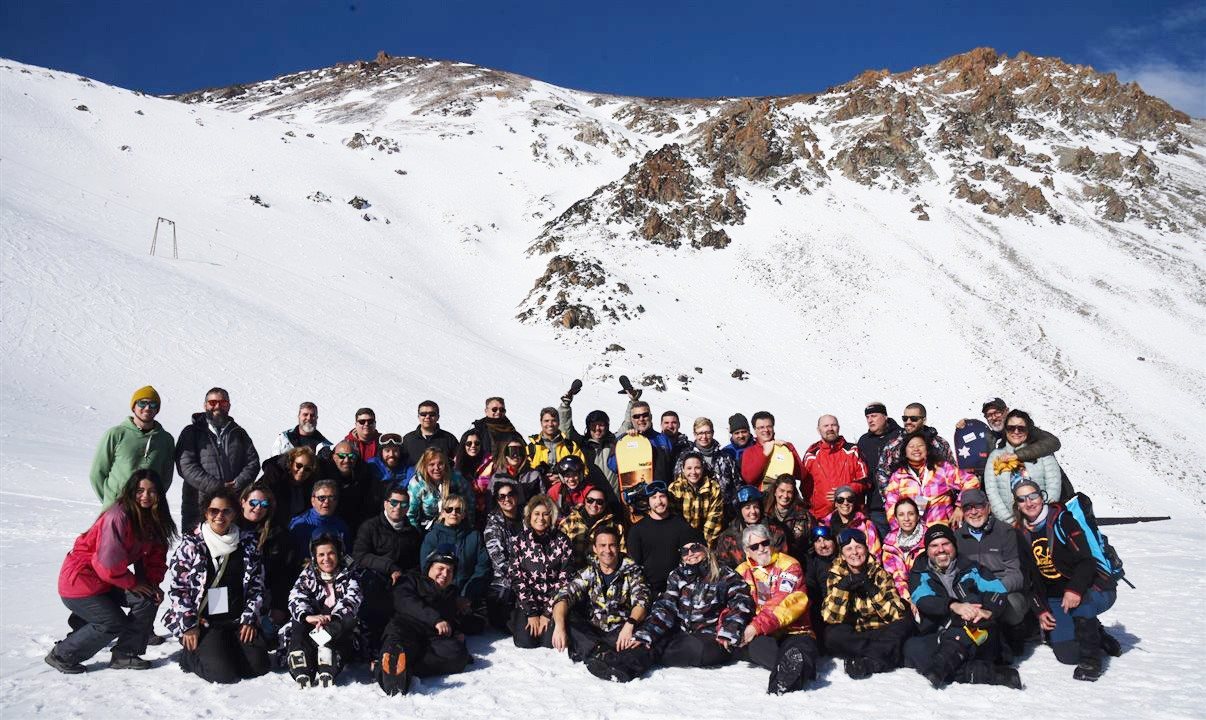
[(1015, 428), (323, 498), (594, 501), (642, 416), (505, 496), (429, 414), (258, 503), (395, 503), (912, 418), (472, 443), (454, 510), (347, 456), (496, 409), (843, 500), (218, 512), (217, 403), (759, 545), (691, 548), (1028, 497), (303, 466), (365, 421), (144, 404)]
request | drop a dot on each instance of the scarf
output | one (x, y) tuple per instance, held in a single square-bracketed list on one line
[(1040, 520), (220, 546), (910, 541), (395, 525)]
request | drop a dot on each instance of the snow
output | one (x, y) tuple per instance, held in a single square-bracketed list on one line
[(855, 301)]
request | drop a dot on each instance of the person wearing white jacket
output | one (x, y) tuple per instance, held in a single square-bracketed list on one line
[(1043, 471)]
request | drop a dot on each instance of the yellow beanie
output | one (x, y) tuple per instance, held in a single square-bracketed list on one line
[(144, 393)]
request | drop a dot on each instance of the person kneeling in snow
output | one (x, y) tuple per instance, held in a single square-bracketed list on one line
[(960, 605), (324, 632), (780, 637), (427, 634)]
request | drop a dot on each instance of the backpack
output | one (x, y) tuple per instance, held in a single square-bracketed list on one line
[(1109, 565)]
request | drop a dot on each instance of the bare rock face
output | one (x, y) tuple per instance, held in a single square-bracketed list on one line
[(743, 140)]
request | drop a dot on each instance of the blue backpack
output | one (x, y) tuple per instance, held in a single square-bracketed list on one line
[(1109, 565)]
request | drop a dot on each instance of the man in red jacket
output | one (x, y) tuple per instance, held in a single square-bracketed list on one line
[(830, 463), (363, 437), (756, 461)]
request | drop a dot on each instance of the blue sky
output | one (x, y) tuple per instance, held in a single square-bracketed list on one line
[(669, 48)]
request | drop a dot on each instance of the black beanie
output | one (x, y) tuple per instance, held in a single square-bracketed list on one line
[(738, 422), (940, 530)]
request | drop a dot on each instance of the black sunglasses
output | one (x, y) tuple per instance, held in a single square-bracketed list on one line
[(912, 418), (692, 548), (759, 545)]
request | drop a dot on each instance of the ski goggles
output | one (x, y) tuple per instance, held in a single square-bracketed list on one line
[(820, 532), (850, 535), (655, 487), (390, 440)]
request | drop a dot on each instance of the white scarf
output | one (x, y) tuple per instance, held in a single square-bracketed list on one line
[(909, 541), (395, 525), (220, 545)]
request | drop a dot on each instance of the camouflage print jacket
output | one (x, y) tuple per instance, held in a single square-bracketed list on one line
[(308, 597), (694, 604), (607, 606), (189, 571)]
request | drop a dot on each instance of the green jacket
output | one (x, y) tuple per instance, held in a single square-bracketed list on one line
[(124, 449)]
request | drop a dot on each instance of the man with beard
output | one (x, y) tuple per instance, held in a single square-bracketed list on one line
[(358, 497), (1039, 443), (304, 433), (213, 451), (654, 542), (495, 427), (138, 443), (881, 430)]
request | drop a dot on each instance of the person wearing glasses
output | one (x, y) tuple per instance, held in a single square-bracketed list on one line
[(494, 427), (428, 435), (754, 464), (638, 420), (276, 553), (359, 493), (729, 550), (322, 517), (1039, 443), (904, 545), (816, 577), (994, 546), (867, 619), (653, 542), (572, 486), (1069, 593), (1005, 467), (291, 477), (325, 632), (541, 562), (454, 530), (213, 452), (780, 636), (503, 525), (610, 597), (475, 463), (721, 464), (434, 482), (387, 546), (217, 592), (512, 464), (598, 443), (390, 466), (96, 581), (893, 450), (696, 496), (846, 515), (932, 481), (138, 443), (426, 636), (697, 621), (364, 434), (579, 526), (305, 432)]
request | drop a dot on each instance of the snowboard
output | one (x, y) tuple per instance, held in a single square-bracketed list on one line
[(781, 462), (634, 462), (972, 446)]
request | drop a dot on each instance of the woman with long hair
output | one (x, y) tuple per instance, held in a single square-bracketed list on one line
[(435, 480), (1004, 469), (540, 564), (904, 545), (257, 502), (475, 463), (217, 592), (96, 582), (930, 480), (784, 505)]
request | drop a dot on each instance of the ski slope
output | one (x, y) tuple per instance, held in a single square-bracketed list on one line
[(306, 300)]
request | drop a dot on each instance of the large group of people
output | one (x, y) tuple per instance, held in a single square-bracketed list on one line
[(390, 549)]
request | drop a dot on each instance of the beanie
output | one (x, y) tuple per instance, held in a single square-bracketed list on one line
[(144, 393), (738, 422), (939, 530)]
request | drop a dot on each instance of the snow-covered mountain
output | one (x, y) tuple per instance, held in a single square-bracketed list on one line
[(382, 232)]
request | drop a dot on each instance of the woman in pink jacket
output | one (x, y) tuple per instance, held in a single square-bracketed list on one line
[(932, 483), (904, 545), (95, 581)]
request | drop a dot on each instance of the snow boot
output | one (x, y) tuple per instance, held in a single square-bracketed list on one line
[(324, 677), (121, 661), (393, 675), (790, 674), (946, 662), (1006, 676), (1109, 644), (299, 668), (856, 668), (64, 666), (1088, 637)]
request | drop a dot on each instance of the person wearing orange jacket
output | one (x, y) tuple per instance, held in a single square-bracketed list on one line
[(780, 637), (830, 463)]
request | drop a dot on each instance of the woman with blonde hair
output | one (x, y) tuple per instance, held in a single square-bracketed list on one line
[(540, 564), (435, 480)]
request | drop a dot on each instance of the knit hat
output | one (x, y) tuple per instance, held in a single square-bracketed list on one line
[(145, 392), (597, 416), (875, 407), (841, 489), (939, 530), (973, 496), (738, 422), (996, 402)]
